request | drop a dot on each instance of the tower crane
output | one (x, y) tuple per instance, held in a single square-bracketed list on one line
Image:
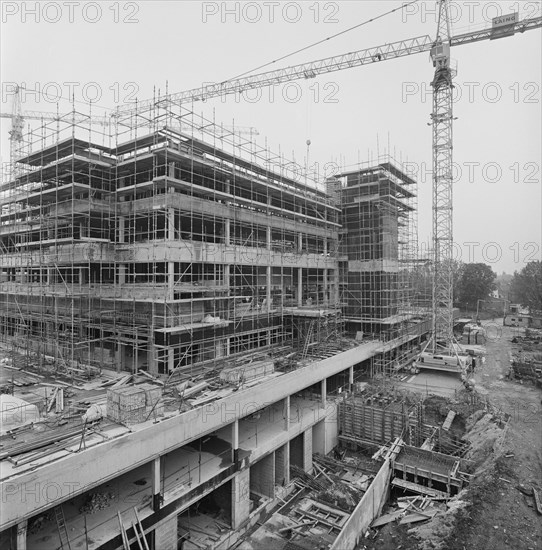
[(441, 121)]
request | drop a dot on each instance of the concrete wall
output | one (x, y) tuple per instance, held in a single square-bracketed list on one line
[(165, 535), (319, 437), (262, 476), (366, 511), (307, 450), (331, 425), (282, 465)]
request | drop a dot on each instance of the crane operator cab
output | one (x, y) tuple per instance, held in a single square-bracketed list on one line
[(440, 54)]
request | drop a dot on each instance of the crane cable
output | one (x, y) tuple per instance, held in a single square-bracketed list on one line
[(321, 41)]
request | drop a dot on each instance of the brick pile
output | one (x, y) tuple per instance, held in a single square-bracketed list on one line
[(135, 404)]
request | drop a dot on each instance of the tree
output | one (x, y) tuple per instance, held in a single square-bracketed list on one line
[(457, 271), (475, 283), (526, 287)]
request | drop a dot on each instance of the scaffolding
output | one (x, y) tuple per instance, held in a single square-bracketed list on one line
[(164, 242), (379, 260)]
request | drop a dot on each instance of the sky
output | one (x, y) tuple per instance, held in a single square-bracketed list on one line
[(114, 52)]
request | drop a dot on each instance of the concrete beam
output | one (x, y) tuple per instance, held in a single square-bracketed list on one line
[(215, 253)]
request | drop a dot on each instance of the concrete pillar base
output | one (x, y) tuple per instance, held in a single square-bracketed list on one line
[(240, 498)]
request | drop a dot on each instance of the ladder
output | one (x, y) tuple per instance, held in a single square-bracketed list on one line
[(62, 529), (308, 340)]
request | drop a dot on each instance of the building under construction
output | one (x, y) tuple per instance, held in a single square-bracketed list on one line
[(182, 256)]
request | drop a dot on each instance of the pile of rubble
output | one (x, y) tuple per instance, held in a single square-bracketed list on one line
[(526, 357), (96, 502), (485, 433), (433, 534), (412, 510), (36, 524)]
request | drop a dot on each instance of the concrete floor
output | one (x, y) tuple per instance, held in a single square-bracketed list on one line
[(128, 490), (184, 468), (432, 382)]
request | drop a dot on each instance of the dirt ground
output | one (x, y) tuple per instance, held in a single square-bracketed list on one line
[(497, 515), (500, 517)]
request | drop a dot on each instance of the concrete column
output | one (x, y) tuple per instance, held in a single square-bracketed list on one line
[(119, 357), (151, 356), (287, 413), (323, 391), (307, 450), (235, 441), (319, 437), (268, 237), (351, 376), (170, 359), (122, 274), (325, 247), (227, 231), (240, 498), (156, 488), (170, 224), (300, 287), (219, 349), (300, 242), (227, 275), (282, 465), (335, 289), (122, 229), (170, 278), (326, 289), (21, 535), (268, 282), (171, 169), (50, 275)]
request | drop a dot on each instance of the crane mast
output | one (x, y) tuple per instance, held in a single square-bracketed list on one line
[(442, 122)]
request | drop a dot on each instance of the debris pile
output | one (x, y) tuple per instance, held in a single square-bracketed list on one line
[(96, 502), (412, 510), (432, 535), (526, 357), (485, 433), (36, 524)]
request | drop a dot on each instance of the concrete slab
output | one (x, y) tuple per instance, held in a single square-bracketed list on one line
[(433, 383)]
